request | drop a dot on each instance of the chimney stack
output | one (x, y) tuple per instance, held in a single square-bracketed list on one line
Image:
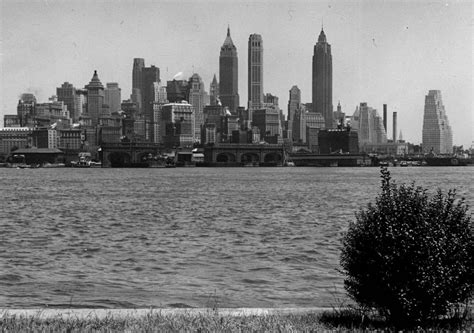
[(385, 117)]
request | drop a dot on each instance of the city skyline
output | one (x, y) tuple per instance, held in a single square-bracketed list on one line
[(390, 53)]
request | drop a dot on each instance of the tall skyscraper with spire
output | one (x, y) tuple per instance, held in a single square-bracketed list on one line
[(214, 91), (95, 99), (255, 73), (228, 74), (437, 134), (322, 79)]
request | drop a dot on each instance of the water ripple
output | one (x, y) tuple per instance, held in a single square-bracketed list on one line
[(238, 237)]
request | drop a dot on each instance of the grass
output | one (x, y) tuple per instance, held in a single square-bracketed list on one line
[(346, 319), (154, 321)]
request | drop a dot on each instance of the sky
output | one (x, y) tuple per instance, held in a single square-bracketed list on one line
[(383, 52)]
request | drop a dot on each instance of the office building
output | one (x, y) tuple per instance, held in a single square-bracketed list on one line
[(113, 96), (150, 76), (197, 98), (67, 94), (26, 110), (228, 74), (178, 125), (437, 134), (322, 80), (177, 91), (137, 82), (369, 126), (95, 99), (12, 138), (294, 102), (267, 120), (255, 73), (214, 91)]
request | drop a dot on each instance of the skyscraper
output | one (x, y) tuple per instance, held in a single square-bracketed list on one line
[(214, 91), (228, 74), (113, 96), (150, 75), (322, 79), (67, 94), (138, 64), (255, 73), (437, 134), (293, 102), (197, 97), (369, 125), (95, 99)]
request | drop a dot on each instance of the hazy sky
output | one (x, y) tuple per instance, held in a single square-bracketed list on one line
[(389, 52)]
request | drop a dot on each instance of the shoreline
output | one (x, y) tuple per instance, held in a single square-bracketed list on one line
[(83, 313)]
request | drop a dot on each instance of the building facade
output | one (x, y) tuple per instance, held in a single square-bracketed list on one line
[(178, 125), (255, 73), (67, 94), (294, 102), (214, 91), (437, 133), (197, 98), (268, 122), (369, 126), (322, 79), (113, 96), (150, 76), (95, 99), (137, 82), (228, 75), (14, 138)]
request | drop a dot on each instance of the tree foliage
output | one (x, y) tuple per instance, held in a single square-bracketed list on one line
[(409, 255)]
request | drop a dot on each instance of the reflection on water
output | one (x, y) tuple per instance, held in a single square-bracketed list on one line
[(239, 237)]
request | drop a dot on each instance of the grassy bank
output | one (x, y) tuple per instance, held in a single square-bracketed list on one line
[(211, 320), (158, 321)]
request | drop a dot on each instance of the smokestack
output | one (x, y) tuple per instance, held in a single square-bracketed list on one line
[(394, 127), (385, 117)]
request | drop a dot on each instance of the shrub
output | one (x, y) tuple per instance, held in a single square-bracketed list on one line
[(409, 256)]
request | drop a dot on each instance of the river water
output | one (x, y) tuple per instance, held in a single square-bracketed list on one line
[(201, 237)]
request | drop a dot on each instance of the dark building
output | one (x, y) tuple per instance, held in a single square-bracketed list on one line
[(228, 75), (255, 72), (268, 122), (338, 141), (177, 91), (39, 137), (130, 108), (26, 109), (322, 79), (67, 94), (214, 91), (95, 99), (137, 82), (294, 102), (150, 75), (385, 117)]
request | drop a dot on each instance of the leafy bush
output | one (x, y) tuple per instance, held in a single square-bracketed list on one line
[(409, 256)]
